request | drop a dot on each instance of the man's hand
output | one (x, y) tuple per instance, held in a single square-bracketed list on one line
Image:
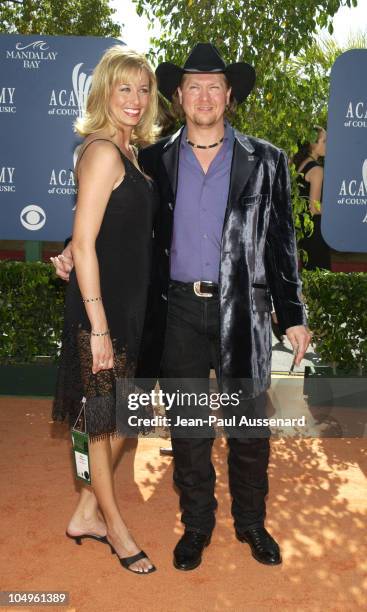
[(64, 263), (299, 337)]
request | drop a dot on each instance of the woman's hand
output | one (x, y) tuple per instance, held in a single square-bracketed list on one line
[(102, 353), (64, 263)]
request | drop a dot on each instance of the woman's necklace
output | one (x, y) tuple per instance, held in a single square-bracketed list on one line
[(316, 159), (197, 146)]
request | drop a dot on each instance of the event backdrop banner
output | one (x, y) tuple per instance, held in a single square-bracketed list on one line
[(44, 81), (344, 216)]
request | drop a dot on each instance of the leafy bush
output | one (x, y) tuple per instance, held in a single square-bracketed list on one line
[(31, 311), (336, 303), (32, 300)]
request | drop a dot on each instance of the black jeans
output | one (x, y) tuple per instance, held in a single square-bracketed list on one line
[(191, 349)]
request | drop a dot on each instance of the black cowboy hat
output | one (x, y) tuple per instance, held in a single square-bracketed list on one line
[(205, 58)]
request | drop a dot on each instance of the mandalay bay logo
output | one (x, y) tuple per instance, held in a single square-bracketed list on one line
[(31, 54), (71, 101)]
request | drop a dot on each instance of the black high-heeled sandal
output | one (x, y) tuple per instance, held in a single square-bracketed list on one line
[(78, 539), (127, 561)]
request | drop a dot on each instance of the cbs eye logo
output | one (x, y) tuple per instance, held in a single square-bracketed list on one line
[(33, 217)]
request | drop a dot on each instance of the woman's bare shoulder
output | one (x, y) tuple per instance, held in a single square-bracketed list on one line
[(98, 151), (316, 173), (99, 145)]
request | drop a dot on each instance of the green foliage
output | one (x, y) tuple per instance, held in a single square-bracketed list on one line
[(59, 17), (254, 29), (267, 34), (337, 316), (31, 311), (277, 38)]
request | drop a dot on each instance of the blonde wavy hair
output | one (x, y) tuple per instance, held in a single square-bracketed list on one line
[(116, 65)]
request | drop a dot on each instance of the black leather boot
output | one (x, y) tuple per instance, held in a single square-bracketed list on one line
[(189, 549), (263, 546)]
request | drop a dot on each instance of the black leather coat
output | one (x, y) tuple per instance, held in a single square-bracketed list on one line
[(258, 258)]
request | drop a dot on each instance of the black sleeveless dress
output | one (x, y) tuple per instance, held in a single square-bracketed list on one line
[(318, 251), (124, 252)]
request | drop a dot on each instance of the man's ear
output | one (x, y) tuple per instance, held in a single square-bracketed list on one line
[(179, 91), (228, 96)]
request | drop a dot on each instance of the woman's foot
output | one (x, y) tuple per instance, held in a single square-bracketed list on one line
[(87, 518), (125, 546), (80, 525)]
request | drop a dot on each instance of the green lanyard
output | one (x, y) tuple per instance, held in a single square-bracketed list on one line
[(80, 443)]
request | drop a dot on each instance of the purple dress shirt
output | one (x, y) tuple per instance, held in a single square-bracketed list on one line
[(200, 207)]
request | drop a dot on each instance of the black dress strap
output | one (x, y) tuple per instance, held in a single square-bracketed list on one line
[(307, 167), (95, 140)]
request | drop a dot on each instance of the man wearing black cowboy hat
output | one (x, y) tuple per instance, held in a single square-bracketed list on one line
[(225, 243)]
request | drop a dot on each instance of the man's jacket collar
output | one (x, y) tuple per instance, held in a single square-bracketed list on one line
[(173, 138), (242, 164), (243, 141), (170, 158)]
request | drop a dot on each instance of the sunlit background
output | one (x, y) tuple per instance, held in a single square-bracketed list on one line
[(136, 32)]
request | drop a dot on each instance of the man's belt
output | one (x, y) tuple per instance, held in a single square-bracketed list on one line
[(200, 288), (205, 288)]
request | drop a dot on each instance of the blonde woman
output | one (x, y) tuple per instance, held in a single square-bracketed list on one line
[(106, 295)]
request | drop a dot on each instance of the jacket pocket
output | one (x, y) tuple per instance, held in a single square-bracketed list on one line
[(261, 300), (252, 200)]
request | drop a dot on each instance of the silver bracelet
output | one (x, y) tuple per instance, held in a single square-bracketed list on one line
[(106, 333), (97, 299)]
